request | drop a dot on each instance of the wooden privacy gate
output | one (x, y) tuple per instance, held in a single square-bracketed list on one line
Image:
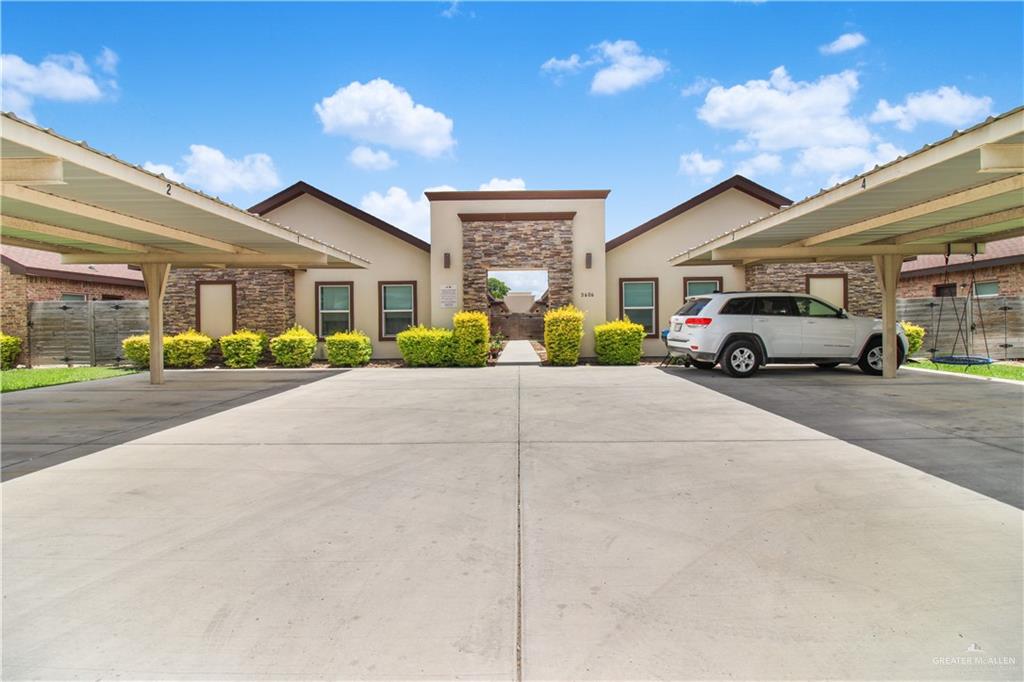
[(83, 332), (1002, 316)]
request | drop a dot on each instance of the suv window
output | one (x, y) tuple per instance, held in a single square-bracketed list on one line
[(775, 305), (738, 306), (693, 307), (810, 307)]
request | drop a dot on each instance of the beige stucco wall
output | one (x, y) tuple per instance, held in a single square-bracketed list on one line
[(647, 255), (589, 288), (392, 259)]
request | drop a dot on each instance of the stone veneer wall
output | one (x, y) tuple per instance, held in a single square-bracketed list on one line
[(516, 245), (1010, 278), (264, 299), (864, 296)]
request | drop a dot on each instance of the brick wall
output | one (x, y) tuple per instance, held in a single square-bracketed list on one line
[(264, 299), (863, 294), (13, 303), (1010, 278), (516, 245), (51, 289)]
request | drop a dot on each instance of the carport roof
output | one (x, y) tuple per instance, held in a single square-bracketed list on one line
[(964, 190), (64, 196)]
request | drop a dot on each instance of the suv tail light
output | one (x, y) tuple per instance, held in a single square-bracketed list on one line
[(698, 321)]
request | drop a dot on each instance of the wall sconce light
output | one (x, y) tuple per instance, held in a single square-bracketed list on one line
[(590, 259), (447, 260)]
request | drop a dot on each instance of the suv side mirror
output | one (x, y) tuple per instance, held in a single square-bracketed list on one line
[(842, 314)]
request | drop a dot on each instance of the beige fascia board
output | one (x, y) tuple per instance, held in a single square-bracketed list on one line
[(199, 259), (33, 227), (976, 222), (40, 170), (788, 252), (1002, 158)]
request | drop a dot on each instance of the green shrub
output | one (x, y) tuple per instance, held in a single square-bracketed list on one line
[(294, 347), (563, 333), (915, 337), (241, 349), (188, 349), (10, 347), (426, 346), (619, 343), (136, 349), (348, 349), (470, 339)]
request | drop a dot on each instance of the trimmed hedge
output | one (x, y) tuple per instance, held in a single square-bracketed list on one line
[(471, 339), (10, 347), (426, 346), (294, 347), (241, 349), (136, 349), (620, 342), (348, 349), (563, 333), (188, 349), (915, 337)]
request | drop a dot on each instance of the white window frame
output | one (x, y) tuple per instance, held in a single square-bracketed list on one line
[(653, 281), (991, 281), (74, 298), (320, 311), (381, 286), (718, 282)]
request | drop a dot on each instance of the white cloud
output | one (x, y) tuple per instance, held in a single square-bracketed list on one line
[(694, 163), (504, 184), (380, 112), (628, 67), (534, 281), (569, 65), (108, 61), (946, 105), (844, 43), (58, 77), (209, 169), (452, 10), (698, 87), (762, 164), (369, 159), (780, 113), (844, 162)]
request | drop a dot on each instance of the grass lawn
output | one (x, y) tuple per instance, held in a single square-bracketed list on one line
[(20, 379), (996, 370)]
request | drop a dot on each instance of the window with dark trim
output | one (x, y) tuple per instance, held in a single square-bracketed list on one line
[(638, 300), (333, 308), (397, 307), (947, 289)]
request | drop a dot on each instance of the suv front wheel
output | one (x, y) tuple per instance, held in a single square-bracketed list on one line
[(871, 359), (741, 358)]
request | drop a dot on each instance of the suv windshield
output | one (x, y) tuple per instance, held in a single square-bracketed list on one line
[(693, 307)]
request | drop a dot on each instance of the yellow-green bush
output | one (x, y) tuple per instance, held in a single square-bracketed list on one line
[(426, 346), (188, 349), (241, 349), (10, 347), (915, 337), (294, 347), (348, 349), (471, 338), (563, 333), (136, 349), (620, 342)]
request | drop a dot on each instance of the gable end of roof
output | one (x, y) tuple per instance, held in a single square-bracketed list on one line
[(300, 188), (737, 182)]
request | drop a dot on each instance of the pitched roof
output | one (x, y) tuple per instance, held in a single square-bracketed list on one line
[(1002, 252), (22, 261), (300, 188), (737, 182)]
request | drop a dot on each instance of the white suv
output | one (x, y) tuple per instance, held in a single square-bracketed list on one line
[(744, 330)]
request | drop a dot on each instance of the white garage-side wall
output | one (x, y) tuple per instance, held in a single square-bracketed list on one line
[(393, 259), (643, 253)]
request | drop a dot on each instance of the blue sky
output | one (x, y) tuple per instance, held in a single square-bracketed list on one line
[(375, 103)]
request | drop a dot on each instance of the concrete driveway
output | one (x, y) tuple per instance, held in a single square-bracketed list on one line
[(584, 523)]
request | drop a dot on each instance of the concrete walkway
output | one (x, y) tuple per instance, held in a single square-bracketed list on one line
[(518, 353), (554, 523)]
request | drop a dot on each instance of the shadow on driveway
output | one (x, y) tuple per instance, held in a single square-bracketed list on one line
[(965, 431), (42, 427)]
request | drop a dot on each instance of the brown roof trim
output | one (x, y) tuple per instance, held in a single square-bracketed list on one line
[(505, 217), (967, 265), (519, 194), (738, 182), (300, 188), (17, 268)]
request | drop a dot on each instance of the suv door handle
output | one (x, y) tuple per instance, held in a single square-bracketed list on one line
[(760, 319), (810, 322)]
